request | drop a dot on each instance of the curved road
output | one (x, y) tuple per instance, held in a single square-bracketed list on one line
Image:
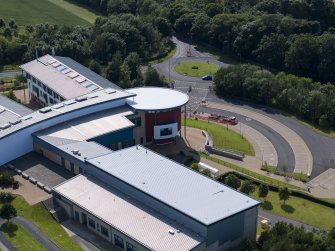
[(322, 148)]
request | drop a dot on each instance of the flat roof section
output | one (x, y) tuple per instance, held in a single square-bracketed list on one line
[(181, 188), (128, 215), (91, 126), (13, 106), (156, 98)]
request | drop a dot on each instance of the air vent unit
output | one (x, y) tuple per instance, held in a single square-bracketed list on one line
[(14, 122), (110, 90), (69, 102), (45, 110), (57, 106), (4, 126), (26, 117), (92, 95), (80, 99)]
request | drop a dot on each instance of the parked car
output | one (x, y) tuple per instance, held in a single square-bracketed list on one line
[(207, 77)]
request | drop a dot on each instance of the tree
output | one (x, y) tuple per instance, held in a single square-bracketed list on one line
[(2, 23), (152, 78), (263, 191), (247, 187), (284, 194), (113, 68), (233, 181), (8, 211), (125, 82), (95, 66)]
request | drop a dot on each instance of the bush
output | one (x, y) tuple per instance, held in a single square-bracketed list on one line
[(232, 181), (195, 167), (16, 184), (6, 197), (247, 187), (6, 179), (207, 172)]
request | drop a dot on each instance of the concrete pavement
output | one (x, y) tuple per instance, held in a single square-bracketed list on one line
[(303, 156)]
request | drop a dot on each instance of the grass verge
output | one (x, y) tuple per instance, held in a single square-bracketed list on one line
[(159, 60), (26, 12), (252, 174), (196, 68), (20, 238), (300, 210), (44, 221), (222, 136), (297, 176)]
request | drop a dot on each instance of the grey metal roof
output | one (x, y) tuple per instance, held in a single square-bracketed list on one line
[(56, 141), (189, 192), (134, 219), (86, 150), (13, 106), (92, 99), (87, 73)]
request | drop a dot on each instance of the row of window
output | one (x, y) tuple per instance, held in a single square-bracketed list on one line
[(45, 88), (118, 241)]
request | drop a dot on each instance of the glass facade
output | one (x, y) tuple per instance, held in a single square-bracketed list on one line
[(118, 241)]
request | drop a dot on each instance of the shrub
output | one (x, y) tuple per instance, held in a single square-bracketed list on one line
[(6, 197)]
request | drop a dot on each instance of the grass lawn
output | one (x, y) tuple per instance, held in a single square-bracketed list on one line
[(223, 137), (262, 178), (20, 238), (33, 12), (300, 209), (204, 68), (44, 221), (77, 10)]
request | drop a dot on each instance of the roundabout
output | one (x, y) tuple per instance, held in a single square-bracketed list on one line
[(196, 68)]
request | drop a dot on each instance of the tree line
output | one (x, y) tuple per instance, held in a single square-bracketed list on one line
[(114, 47), (297, 36), (297, 95)]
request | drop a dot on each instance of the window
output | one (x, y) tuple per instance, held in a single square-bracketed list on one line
[(131, 247), (104, 231), (50, 91), (34, 79), (137, 121), (76, 215), (39, 83), (166, 131), (91, 223), (44, 88), (118, 241)]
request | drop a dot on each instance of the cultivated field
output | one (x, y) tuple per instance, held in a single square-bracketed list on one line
[(39, 11)]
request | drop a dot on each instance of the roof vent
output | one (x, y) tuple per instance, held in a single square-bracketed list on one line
[(45, 110), (26, 117), (92, 95), (5, 126), (75, 152), (14, 122), (2, 110), (110, 90), (57, 106), (79, 99), (69, 102), (171, 231)]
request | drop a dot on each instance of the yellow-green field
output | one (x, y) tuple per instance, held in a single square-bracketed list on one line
[(189, 68), (33, 12)]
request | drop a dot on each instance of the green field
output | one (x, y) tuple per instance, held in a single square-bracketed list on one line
[(44, 221), (20, 238), (300, 210), (223, 137), (33, 12), (204, 68)]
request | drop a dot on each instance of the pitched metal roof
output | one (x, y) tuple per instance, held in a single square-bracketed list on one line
[(87, 73), (136, 220), (181, 188)]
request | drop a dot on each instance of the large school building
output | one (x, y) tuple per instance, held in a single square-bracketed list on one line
[(124, 192)]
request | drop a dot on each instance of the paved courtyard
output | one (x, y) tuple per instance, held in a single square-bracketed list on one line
[(42, 169)]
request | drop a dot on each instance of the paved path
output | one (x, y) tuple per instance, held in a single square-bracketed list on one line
[(10, 74), (273, 218), (36, 233), (303, 156), (5, 245)]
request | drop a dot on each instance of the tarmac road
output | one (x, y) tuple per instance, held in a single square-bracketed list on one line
[(321, 147)]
